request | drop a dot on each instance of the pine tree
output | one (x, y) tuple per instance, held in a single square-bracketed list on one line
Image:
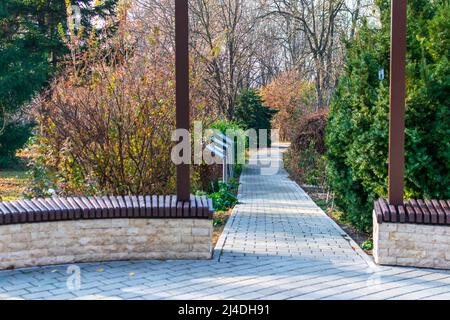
[(251, 112)]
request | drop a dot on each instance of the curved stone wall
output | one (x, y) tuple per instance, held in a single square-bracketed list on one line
[(77, 241)]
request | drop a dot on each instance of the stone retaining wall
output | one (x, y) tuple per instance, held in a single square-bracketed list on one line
[(414, 245), (65, 242)]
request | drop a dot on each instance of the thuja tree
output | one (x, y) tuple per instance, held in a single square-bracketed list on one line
[(251, 113), (357, 132)]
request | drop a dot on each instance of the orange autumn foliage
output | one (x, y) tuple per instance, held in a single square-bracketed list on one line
[(293, 98)]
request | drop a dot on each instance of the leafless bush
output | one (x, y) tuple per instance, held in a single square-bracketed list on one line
[(105, 124)]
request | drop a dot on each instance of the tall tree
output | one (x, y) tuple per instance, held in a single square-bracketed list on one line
[(227, 41), (315, 20), (228, 48)]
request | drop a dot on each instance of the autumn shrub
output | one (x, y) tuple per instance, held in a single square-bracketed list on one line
[(293, 98), (305, 158), (105, 125)]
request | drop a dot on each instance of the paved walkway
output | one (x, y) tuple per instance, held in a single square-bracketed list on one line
[(277, 219), (277, 245)]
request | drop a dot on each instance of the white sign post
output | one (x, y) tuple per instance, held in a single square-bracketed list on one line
[(223, 147)]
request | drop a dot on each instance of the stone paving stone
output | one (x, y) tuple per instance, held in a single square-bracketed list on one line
[(87, 292), (285, 288), (13, 294), (16, 287), (423, 293), (375, 282), (394, 289), (40, 288), (267, 283), (443, 296), (36, 296), (277, 245)]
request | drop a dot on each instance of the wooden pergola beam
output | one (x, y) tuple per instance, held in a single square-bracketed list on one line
[(182, 89), (397, 102), (397, 97)]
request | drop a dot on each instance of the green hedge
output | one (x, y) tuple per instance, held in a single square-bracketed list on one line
[(357, 132)]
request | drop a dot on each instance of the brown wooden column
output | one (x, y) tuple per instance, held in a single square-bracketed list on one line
[(182, 89), (397, 103)]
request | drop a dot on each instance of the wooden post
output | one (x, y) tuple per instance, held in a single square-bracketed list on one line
[(182, 89), (397, 102)]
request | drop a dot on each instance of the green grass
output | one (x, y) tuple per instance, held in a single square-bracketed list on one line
[(12, 184), (13, 174)]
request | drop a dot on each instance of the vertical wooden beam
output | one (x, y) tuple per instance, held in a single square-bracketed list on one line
[(397, 102), (182, 89)]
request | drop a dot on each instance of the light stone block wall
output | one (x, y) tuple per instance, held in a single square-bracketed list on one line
[(65, 242), (412, 245)]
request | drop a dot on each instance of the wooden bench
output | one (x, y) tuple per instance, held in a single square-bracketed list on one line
[(106, 207), (431, 212), (414, 234)]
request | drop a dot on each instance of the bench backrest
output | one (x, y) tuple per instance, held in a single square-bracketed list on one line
[(435, 212), (106, 207)]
